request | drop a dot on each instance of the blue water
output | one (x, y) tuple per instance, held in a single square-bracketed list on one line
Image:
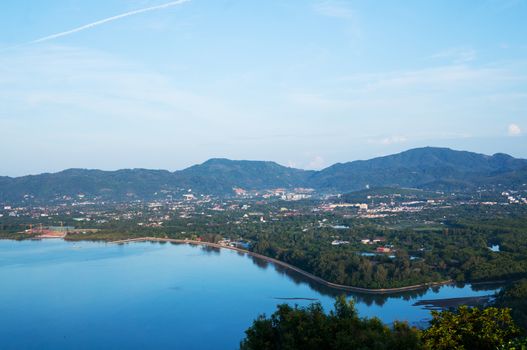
[(87, 295)]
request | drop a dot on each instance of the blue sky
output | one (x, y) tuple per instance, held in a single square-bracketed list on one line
[(303, 83)]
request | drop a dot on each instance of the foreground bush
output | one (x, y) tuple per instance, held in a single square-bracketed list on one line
[(310, 328), (470, 328), (514, 296)]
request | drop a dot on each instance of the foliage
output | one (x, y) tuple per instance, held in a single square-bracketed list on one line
[(516, 344), (514, 297), (291, 328), (309, 328), (450, 242), (470, 328)]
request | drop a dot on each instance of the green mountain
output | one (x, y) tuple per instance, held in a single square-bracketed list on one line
[(215, 176), (120, 184), (425, 168), (219, 175)]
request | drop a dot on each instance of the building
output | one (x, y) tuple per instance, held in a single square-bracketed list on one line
[(383, 250)]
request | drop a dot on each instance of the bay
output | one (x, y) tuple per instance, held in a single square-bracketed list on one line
[(93, 295)]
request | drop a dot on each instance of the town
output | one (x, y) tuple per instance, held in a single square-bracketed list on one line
[(385, 237), (82, 216)]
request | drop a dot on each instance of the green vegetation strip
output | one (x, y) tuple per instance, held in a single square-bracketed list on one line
[(291, 267)]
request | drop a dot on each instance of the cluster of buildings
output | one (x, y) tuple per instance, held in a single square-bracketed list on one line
[(284, 194), (515, 197), (381, 248), (260, 207), (241, 244)]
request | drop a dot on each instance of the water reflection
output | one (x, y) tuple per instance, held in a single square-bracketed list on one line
[(262, 264), (369, 299), (206, 302), (211, 250)]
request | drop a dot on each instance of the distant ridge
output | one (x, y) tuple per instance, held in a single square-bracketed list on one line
[(426, 168)]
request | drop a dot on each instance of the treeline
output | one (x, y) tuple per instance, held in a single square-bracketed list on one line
[(428, 246), (458, 249), (292, 328)]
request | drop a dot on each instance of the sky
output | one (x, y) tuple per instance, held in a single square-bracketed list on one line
[(112, 84)]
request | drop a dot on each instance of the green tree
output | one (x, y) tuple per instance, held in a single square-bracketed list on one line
[(470, 328), (514, 297), (292, 328)]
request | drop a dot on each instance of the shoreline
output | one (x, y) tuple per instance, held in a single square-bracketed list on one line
[(317, 279)]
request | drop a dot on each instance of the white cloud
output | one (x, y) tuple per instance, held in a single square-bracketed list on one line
[(390, 140), (91, 83), (91, 109), (333, 8), (456, 55), (514, 130), (107, 20), (450, 76), (414, 93), (341, 10)]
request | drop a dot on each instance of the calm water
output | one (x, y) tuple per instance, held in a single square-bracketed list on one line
[(60, 295)]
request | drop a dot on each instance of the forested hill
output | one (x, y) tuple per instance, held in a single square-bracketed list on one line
[(215, 176), (220, 175), (426, 168)]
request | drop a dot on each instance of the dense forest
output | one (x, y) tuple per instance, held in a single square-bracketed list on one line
[(458, 250)]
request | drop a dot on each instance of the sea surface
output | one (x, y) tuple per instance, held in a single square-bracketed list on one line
[(91, 295)]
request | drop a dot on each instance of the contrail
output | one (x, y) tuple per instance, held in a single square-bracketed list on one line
[(106, 20)]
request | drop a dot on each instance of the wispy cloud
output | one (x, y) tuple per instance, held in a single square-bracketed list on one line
[(418, 105), (107, 20), (390, 140), (448, 76), (456, 55), (341, 10), (90, 83), (333, 8), (391, 88), (80, 95)]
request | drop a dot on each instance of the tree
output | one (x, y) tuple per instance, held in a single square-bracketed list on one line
[(470, 328), (514, 296), (292, 328)]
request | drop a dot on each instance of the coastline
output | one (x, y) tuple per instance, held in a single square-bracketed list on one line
[(317, 279)]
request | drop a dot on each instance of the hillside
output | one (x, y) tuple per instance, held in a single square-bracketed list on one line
[(425, 168), (220, 175), (215, 176), (126, 183), (428, 168)]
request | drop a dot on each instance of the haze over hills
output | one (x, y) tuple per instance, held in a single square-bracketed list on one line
[(426, 168)]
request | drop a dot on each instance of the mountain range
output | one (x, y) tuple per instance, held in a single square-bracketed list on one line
[(428, 168)]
